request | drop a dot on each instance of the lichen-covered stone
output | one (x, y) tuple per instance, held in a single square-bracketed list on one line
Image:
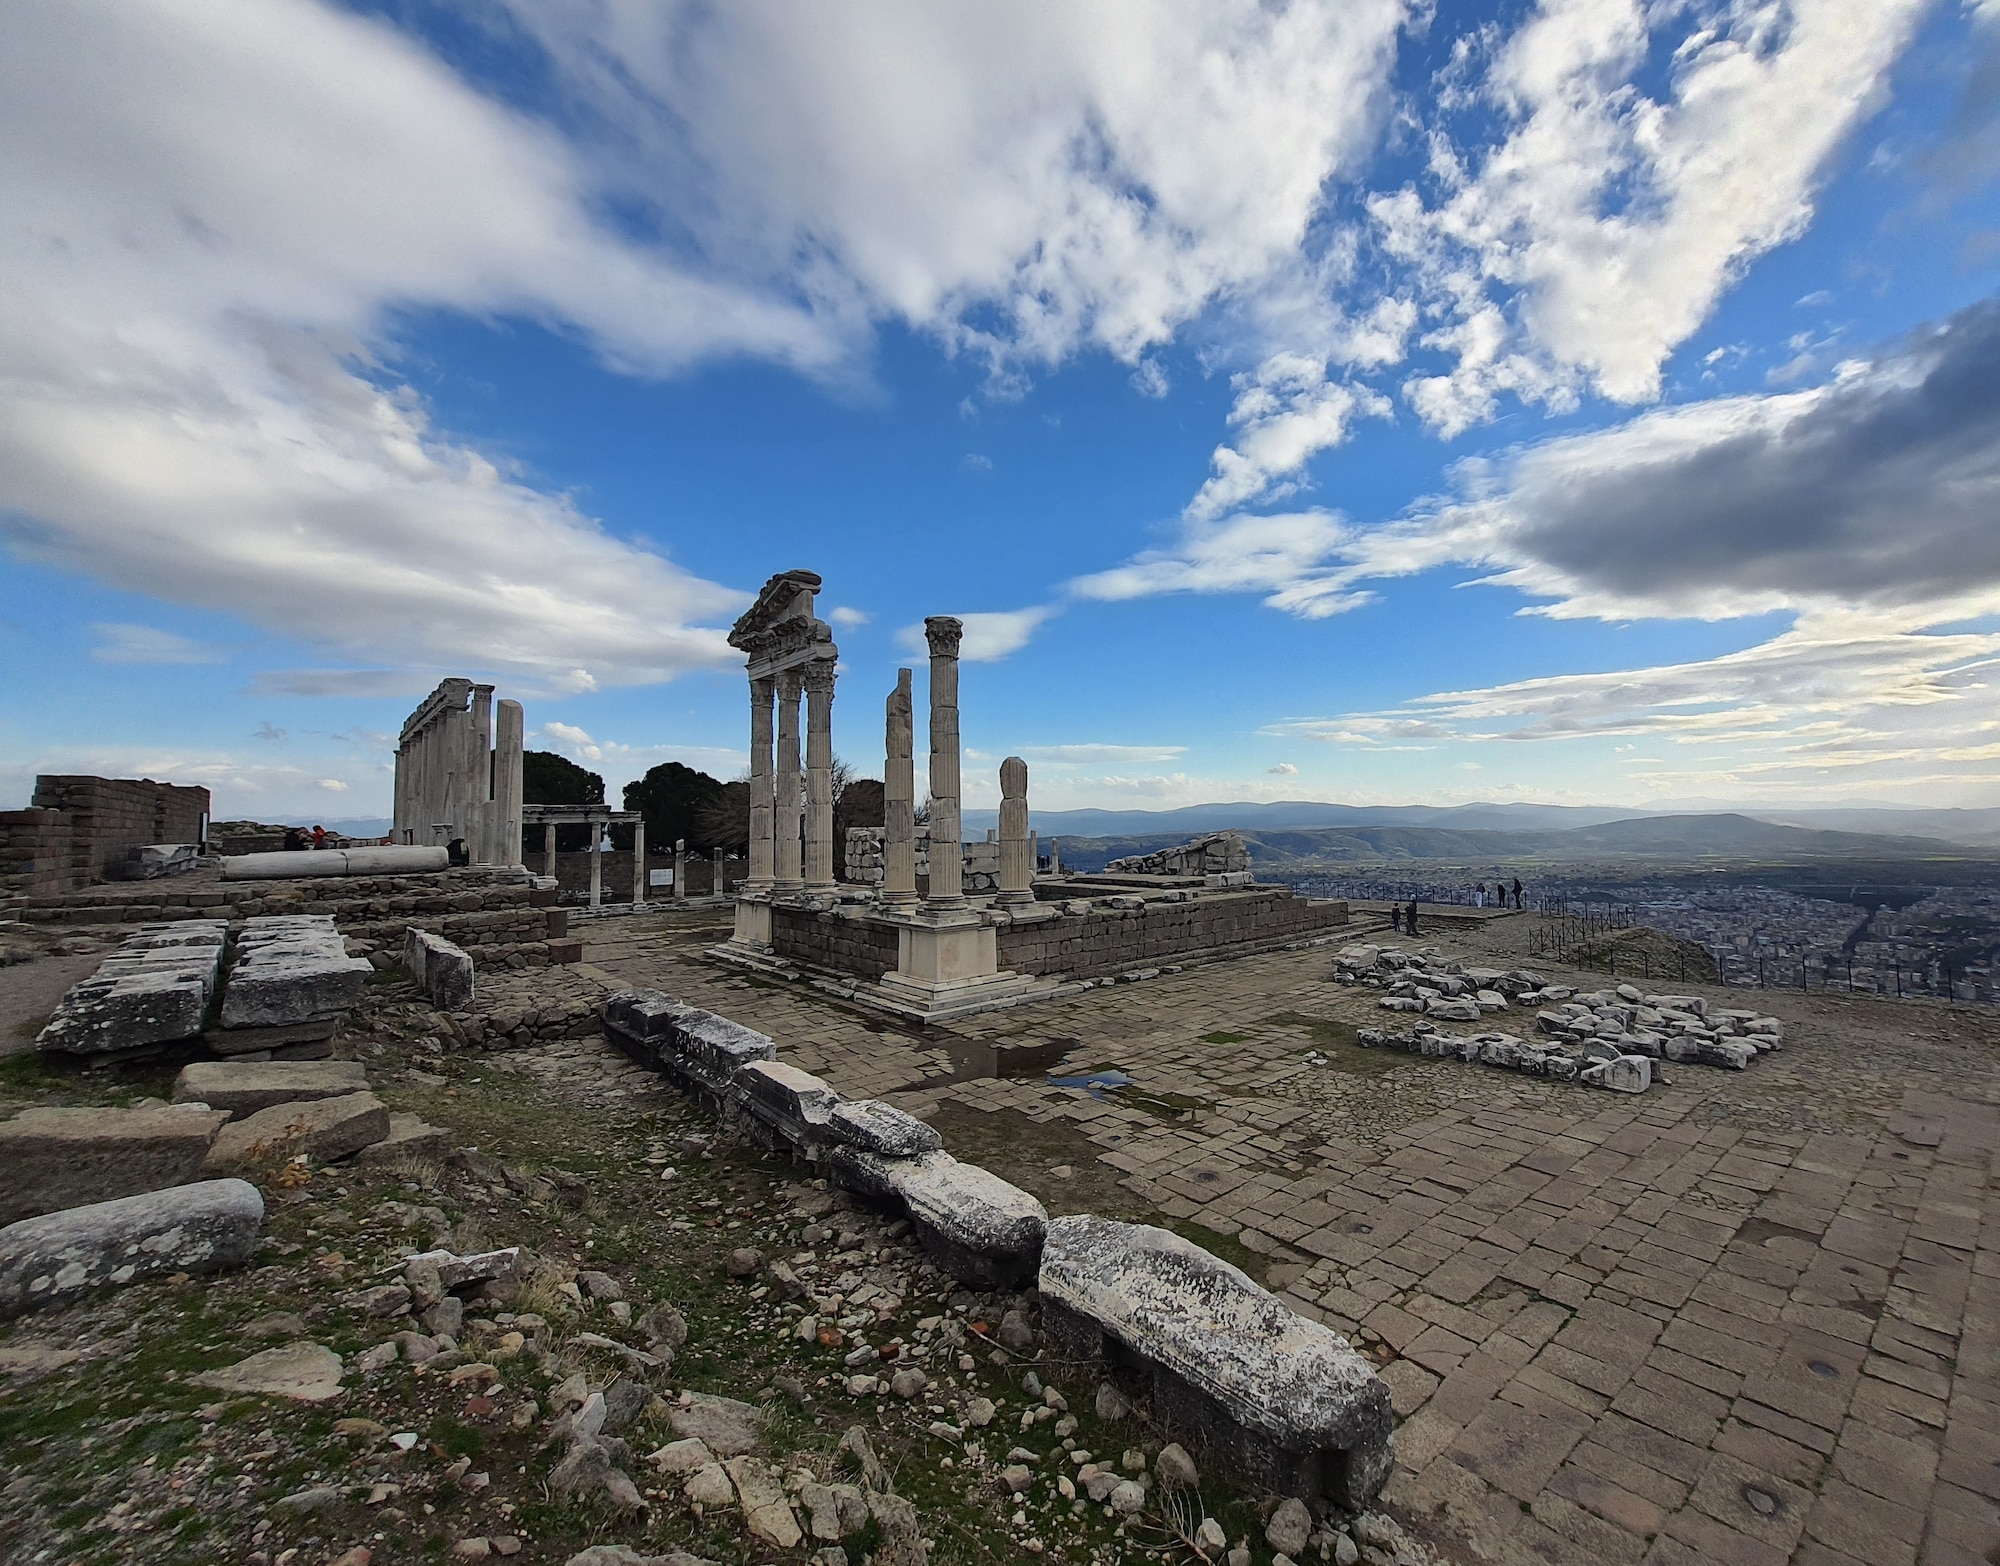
[(975, 1225), (1284, 1401), (876, 1127), (324, 1129), (442, 970), (209, 1226), (154, 989), (291, 968), (697, 1049)]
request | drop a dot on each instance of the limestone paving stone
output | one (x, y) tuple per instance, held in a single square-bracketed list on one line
[(244, 1087), (204, 1227), (56, 1158)]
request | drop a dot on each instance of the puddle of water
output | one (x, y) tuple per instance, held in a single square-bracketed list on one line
[(1095, 1082)]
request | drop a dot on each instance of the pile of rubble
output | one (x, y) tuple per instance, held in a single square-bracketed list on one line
[(1123, 1293), (1598, 1064), (1219, 853), (98, 1197)]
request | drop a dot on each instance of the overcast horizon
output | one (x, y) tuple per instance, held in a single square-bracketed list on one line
[(1367, 401)]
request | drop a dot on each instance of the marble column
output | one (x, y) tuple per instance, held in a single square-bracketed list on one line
[(818, 679), (549, 848), (596, 863), (899, 806), (508, 743), (762, 840), (947, 871), (638, 863), (785, 824), (1017, 866), (681, 869)]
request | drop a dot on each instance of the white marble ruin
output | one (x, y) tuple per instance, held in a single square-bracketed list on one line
[(458, 774)]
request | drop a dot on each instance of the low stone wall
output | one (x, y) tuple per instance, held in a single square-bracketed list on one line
[(833, 940), (1118, 940)]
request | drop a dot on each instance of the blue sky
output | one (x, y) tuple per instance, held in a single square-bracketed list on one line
[(1586, 401)]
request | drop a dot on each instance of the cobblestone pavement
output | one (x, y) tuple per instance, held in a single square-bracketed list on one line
[(1749, 1317)]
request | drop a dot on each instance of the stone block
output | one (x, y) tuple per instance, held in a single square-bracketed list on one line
[(289, 969), (697, 1049), (564, 952), (243, 1087), (205, 1227), (875, 1127), (155, 989), (57, 1158), (1285, 1402), (325, 1129), (782, 1107), (973, 1224), (411, 1137), (442, 971), (1624, 1074)]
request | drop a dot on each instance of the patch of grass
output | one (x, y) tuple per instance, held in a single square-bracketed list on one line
[(1221, 1037), (457, 1437), (1336, 1041)]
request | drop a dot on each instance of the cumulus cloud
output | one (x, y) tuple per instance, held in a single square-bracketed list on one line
[(1598, 233), (848, 618), (576, 741), (1283, 769), (333, 785), (213, 218), (1296, 559), (1286, 411), (148, 644)]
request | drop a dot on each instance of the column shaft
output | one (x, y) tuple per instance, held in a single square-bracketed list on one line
[(762, 840), (508, 739), (638, 862), (899, 786), (549, 848), (819, 776), (1017, 866), (947, 871), (790, 867), (596, 863), (681, 868)]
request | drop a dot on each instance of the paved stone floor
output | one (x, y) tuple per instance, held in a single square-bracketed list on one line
[(1749, 1317)]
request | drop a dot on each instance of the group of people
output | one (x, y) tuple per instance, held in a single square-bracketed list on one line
[(1403, 916), (299, 837)]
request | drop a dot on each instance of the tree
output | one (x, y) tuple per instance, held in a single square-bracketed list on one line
[(549, 779), (674, 799), (724, 822)]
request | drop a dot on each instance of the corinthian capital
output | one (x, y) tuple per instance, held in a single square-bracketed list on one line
[(943, 632)]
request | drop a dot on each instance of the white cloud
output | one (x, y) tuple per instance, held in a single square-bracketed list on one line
[(1150, 379), (213, 217), (333, 785), (989, 636), (1283, 769), (976, 462), (843, 616), (1591, 241), (269, 732), (1297, 559), (1098, 754), (1286, 411), (573, 739), (148, 644)]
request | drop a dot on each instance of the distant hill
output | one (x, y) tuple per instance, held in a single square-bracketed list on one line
[(1682, 838), (1191, 820)]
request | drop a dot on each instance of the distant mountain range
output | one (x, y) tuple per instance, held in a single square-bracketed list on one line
[(1966, 828), (1680, 838)]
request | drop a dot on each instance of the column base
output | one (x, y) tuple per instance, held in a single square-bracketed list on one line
[(753, 926)]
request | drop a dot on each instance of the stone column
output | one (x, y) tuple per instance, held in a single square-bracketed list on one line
[(899, 806), (549, 848), (818, 679), (638, 863), (790, 870), (681, 869), (1055, 856), (761, 804), (947, 872), (596, 863), (476, 823), (715, 882), (1017, 866), (508, 742)]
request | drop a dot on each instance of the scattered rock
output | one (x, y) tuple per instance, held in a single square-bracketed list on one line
[(710, 1486), (1290, 1527), (1128, 1498), (745, 1262), (303, 1372), (765, 1508), (1112, 1404), (979, 1413), (1015, 1333), (1175, 1469), (906, 1384), (728, 1428)]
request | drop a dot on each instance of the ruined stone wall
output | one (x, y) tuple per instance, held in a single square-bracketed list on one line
[(830, 940), (488, 912), (106, 816), (34, 854), (1219, 853), (1117, 940)]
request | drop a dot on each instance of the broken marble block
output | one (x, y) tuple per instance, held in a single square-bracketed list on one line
[(242, 1087), (56, 1158), (1732, 1054), (292, 968), (209, 1226), (324, 1129), (782, 1107), (698, 1050), (876, 1127), (1284, 1401), (973, 1224), (150, 861), (442, 971), (410, 1138), (1621, 1074), (154, 989)]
